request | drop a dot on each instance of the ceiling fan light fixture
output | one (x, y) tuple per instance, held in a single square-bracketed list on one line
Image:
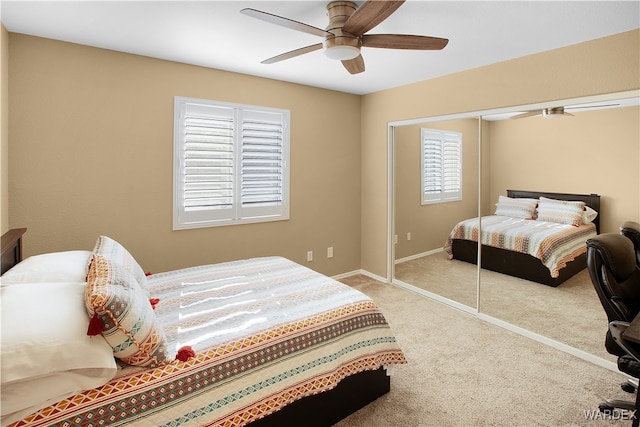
[(342, 47), (553, 112), (342, 52)]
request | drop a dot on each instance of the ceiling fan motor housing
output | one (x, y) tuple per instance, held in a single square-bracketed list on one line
[(553, 112), (341, 45)]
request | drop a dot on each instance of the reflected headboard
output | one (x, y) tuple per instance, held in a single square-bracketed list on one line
[(12, 248), (591, 200)]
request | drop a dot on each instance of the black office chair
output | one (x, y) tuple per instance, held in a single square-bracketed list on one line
[(631, 229), (611, 262)]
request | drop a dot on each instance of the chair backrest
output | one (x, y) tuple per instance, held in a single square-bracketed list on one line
[(631, 229), (611, 262)]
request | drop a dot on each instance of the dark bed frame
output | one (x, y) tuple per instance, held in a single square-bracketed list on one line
[(522, 265), (319, 410), (12, 248)]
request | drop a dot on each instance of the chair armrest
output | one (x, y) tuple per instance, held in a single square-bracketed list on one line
[(617, 329)]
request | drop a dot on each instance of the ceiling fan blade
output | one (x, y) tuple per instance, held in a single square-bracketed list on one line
[(403, 41), (285, 22), (579, 107), (355, 65), (527, 114), (370, 14), (292, 53)]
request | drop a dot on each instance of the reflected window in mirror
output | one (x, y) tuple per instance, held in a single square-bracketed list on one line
[(441, 153)]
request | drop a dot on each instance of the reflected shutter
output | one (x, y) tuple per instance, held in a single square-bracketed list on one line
[(441, 155)]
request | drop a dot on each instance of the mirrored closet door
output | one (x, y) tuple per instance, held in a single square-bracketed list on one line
[(588, 151), (580, 151), (421, 224)]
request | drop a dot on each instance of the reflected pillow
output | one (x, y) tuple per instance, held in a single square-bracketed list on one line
[(589, 215), (561, 211), (516, 207)]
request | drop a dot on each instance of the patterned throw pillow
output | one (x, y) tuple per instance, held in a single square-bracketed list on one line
[(560, 211), (124, 316), (118, 254), (516, 207)]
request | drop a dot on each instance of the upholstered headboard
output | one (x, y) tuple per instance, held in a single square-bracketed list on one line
[(591, 200)]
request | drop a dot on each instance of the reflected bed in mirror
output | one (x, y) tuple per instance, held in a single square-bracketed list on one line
[(538, 236), (595, 150)]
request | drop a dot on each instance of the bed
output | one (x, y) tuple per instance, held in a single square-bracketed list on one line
[(462, 245), (260, 342)]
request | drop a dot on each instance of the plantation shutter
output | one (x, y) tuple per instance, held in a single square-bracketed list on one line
[(230, 164), (441, 165), (208, 158), (262, 162)]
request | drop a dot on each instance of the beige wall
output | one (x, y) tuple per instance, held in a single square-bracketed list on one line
[(4, 129), (606, 65), (91, 147), (91, 153), (591, 152), (430, 224)]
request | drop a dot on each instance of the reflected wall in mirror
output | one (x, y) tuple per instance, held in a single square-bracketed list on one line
[(422, 229), (595, 150)]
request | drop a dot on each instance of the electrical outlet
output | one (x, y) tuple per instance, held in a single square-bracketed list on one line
[(330, 252), (395, 239), (409, 236), (309, 255)]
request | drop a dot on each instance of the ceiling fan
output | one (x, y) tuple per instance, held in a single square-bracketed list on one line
[(345, 35), (558, 111)]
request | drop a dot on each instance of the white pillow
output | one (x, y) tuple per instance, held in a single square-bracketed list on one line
[(22, 398), (68, 266), (516, 207), (589, 215), (44, 334), (561, 211)]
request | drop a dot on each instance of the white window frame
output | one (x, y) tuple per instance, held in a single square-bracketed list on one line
[(441, 166), (230, 196)]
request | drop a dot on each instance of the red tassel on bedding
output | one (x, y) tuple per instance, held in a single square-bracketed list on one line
[(185, 353), (95, 326), (154, 302)]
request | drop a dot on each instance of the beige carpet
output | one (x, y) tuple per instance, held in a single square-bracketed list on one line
[(570, 313), (463, 371)]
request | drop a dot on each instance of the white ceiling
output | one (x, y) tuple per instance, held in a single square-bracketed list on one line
[(215, 34)]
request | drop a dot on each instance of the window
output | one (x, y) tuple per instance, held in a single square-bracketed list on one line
[(441, 165), (231, 164)]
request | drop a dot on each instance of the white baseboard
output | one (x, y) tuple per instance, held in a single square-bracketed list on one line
[(416, 256), (364, 273)]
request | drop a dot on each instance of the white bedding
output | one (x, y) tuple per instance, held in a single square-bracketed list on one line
[(265, 332), (45, 351)]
